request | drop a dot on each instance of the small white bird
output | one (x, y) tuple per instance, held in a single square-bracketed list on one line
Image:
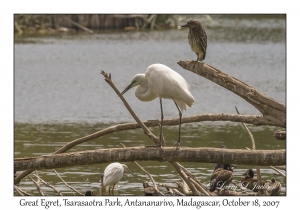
[(163, 82), (113, 173)]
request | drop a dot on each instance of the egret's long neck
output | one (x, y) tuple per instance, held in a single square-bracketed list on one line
[(143, 93)]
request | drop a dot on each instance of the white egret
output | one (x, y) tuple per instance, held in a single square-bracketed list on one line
[(163, 82), (113, 173)]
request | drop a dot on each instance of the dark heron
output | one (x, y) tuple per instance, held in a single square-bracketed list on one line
[(197, 39)]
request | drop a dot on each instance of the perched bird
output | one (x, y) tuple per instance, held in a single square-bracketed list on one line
[(163, 82), (89, 193), (273, 187), (250, 181), (197, 38), (221, 177), (113, 173)]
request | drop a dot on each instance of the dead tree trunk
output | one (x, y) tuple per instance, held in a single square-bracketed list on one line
[(170, 154), (270, 108)]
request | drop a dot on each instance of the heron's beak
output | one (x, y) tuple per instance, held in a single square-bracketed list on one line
[(126, 89), (185, 25)]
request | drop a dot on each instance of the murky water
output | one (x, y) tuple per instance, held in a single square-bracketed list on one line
[(60, 94)]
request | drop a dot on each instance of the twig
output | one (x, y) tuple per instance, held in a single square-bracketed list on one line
[(249, 132), (178, 193), (149, 175), (79, 26), (48, 185), (199, 185), (253, 148), (37, 184), (22, 191), (279, 172), (185, 178), (67, 183), (18, 190), (281, 167), (182, 186), (170, 191), (167, 186)]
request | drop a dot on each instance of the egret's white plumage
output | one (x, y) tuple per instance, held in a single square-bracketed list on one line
[(163, 82), (112, 175)]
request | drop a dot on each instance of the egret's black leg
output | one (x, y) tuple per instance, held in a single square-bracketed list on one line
[(180, 115), (161, 121)]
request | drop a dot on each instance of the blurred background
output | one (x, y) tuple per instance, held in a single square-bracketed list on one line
[(60, 95)]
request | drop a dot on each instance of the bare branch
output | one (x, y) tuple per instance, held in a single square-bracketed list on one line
[(149, 175), (281, 167), (171, 154), (185, 178), (73, 189), (18, 190), (141, 124), (271, 109), (253, 148), (38, 186), (48, 185), (279, 172), (178, 193)]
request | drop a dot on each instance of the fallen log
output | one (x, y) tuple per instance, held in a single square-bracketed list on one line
[(152, 153)]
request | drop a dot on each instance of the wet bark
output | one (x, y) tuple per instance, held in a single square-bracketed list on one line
[(171, 154), (271, 109)]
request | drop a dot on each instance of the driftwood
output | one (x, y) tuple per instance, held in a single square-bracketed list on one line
[(172, 154), (271, 109)]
